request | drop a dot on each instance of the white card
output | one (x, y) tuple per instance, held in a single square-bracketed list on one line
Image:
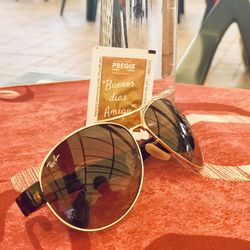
[(121, 81)]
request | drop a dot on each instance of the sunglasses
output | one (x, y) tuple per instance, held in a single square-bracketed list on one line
[(92, 179)]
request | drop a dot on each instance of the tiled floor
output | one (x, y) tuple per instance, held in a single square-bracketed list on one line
[(34, 38)]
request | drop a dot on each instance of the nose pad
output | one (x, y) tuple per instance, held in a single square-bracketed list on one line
[(156, 152)]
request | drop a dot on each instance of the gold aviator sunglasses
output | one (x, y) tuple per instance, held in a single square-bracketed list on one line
[(92, 178)]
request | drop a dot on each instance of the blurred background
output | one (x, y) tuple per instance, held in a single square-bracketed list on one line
[(35, 38)]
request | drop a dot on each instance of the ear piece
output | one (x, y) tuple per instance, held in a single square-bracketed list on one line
[(156, 152)]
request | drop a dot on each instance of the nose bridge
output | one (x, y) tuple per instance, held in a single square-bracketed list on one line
[(131, 121), (139, 121)]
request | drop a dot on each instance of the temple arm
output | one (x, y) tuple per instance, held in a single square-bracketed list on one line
[(33, 198)]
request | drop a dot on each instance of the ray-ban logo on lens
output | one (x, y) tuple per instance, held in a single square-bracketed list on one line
[(53, 162)]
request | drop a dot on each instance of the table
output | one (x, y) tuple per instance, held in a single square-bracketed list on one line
[(175, 210)]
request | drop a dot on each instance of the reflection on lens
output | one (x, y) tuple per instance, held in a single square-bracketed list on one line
[(166, 123), (93, 178)]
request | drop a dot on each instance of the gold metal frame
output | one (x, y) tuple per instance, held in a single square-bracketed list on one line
[(154, 151)]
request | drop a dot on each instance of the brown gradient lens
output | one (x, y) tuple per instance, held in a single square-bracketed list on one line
[(93, 177), (166, 123)]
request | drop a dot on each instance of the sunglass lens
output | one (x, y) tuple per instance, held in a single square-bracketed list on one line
[(166, 123), (92, 179)]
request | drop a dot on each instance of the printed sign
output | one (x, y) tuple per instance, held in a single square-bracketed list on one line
[(121, 81)]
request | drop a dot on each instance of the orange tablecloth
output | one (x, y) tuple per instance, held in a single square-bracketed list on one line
[(175, 210)]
